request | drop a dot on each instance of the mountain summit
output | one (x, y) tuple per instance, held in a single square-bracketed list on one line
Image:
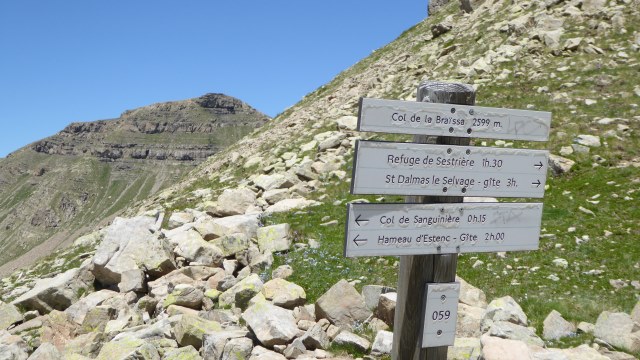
[(91, 170)]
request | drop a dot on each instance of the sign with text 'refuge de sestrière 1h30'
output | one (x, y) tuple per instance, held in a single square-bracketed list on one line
[(424, 169), (423, 118)]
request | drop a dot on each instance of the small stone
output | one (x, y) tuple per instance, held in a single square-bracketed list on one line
[(477, 264), (585, 327), (589, 102), (282, 272), (588, 140), (561, 263)]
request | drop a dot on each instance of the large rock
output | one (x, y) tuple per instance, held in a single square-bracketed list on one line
[(128, 348), (560, 165), (494, 348), (9, 315), (185, 295), (289, 205), (178, 219), (471, 295), (183, 353), (240, 293), (342, 305), (469, 320), (315, 338), (275, 181), (556, 327), (504, 309), (635, 313), (235, 201), (131, 244), (465, 348), (271, 324), (274, 238), (508, 330), (79, 310), (56, 293), (237, 349), (619, 330), (284, 294), (214, 343), (45, 351), (383, 343), (232, 244), (195, 249), (371, 294), (12, 347), (260, 353), (190, 330), (347, 338), (215, 228), (386, 309), (347, 122)]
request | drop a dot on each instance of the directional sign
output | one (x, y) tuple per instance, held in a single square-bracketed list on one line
[(441, 314), (411, 117), (421, 229), (447, 170)]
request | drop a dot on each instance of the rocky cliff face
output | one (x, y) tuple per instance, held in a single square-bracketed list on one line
[(91, 170)]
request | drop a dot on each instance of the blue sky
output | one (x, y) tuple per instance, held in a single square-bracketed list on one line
[(82, 60)]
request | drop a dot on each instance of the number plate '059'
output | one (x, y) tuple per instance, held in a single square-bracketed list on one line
[(441, 314)]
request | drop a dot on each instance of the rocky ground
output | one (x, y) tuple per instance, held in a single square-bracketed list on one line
[(202, 286), (190, 273)]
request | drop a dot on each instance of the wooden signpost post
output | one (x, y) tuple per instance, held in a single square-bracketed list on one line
[(433, 227)]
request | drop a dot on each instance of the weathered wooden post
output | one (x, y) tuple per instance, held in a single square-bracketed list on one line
[(417, 270)]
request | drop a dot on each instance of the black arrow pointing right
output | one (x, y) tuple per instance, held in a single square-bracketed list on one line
[(537, 183), (539, 165), (359, 242)]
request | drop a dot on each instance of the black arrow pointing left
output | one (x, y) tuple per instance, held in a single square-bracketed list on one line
[(359, 242), (359, 220)]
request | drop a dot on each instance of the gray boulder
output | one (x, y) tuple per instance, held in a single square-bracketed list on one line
[(471, 295), (387, 307), (619, 330), (9, 315), (371, 294), (183, 353), (131, 244), (347, 338), (284, 294), (272, 325), (240, 294), (260, 353), (194, 248), (382, 343), (232, 244), (235, 201), (213, 345), (274, 238), (56, 293), (556, 327), (503, 309), (237, 349), (275, 181), (190, 330), (178, 219), (185, 295), (46, 351), (128, 348), (315, 338), (560, 165), (342, 305), (508, 330), (12, 347)]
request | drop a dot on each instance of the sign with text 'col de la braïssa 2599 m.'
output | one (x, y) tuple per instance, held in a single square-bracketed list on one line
[(423, 118), (447, 170), (423, 229)]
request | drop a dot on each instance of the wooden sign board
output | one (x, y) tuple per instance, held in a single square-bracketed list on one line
[(422, 118), (421, 229), (447, 170)]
